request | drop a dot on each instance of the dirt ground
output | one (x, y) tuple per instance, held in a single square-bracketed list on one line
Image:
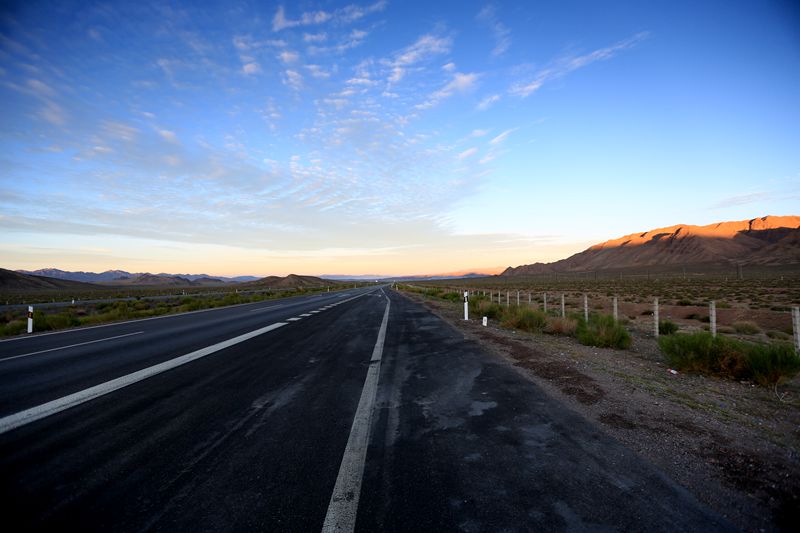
[(735, 446)]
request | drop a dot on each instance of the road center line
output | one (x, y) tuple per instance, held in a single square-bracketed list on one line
[(61, 404), (343, 507), (70, 346), (266, 308)]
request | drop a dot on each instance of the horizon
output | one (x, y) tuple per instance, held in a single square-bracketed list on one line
[(384, 136)]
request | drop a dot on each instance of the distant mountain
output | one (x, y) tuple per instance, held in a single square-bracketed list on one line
[(764, 241), (474, 273), (290, 282), (16, 281), (87, 277), (121, 275), (151, 280)]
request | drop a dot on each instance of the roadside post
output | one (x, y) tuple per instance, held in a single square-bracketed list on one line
[(712, 318), (517, 298), (544, 302), (586, 308), (466, 305), (563, 310), (796, 327), (616, 310), (508, 298), (485, 321), (655, 317), (30, 319)]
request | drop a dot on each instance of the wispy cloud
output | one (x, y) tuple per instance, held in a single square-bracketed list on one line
[(569, 64), (487, 102), (502, 137), (424, 48), (293, 79), (743, 199), (345, 15), (467, 153), (460, 83), (502, 34)]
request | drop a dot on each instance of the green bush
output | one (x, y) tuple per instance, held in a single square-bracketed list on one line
[(721, 356), (602, 331), (667, 327), (525, 319), (491, 310), (746, 327)]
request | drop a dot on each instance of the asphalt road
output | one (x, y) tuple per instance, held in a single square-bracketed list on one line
[(357, 409)]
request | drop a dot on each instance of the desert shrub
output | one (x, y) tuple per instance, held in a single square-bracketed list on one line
[(746, 327), (667, 327), (491, 310), (525, 319), (727, 330), (684, 301), (452, 296), (722, 356), (602, 331), (561, 326), (15, 327), (780, 335)]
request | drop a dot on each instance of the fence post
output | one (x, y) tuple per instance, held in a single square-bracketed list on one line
[(563, 310), (655, 317), (517, 298), (544, 300), (466, 305), (712, 317), (30, 319), (796, 327), (586, 308), (616, 312)]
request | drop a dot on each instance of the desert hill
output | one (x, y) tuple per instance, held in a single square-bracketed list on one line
[(765, 241), (15, 281), (290, 282)]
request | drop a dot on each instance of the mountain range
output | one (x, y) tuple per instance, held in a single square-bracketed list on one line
[(765, 241), (122, 277)]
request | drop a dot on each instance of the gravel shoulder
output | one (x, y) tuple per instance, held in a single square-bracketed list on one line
[(736, 446)]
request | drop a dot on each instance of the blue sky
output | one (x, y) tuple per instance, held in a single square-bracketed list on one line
[(385, 137)]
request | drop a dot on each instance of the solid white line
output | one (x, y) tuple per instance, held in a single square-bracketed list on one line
[(56, 406), (343, 507), (70, 346)]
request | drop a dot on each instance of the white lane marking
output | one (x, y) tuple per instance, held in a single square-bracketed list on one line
[(314, 312), (305, 314), (27, 416), (267, 308), (70, 346), (343, 507), (293, 319)]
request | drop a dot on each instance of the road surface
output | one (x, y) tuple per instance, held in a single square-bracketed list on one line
[(354, 410)]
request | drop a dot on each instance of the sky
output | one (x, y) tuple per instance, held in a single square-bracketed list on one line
[(385, 137)]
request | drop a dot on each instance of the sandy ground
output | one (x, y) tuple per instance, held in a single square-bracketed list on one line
[(736, 446)]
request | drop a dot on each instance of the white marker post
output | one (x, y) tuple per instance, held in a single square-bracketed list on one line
[(517, 298), (655, 317), (586, 308), (712, 318), (563, 309), (466, 305), (796, 327), (30, 319), (616, 310), (485, 321), (544, 302)]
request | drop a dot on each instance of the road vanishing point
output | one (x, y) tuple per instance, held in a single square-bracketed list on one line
[(349, 411)]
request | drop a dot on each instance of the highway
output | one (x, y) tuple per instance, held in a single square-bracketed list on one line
[(357, 410)]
